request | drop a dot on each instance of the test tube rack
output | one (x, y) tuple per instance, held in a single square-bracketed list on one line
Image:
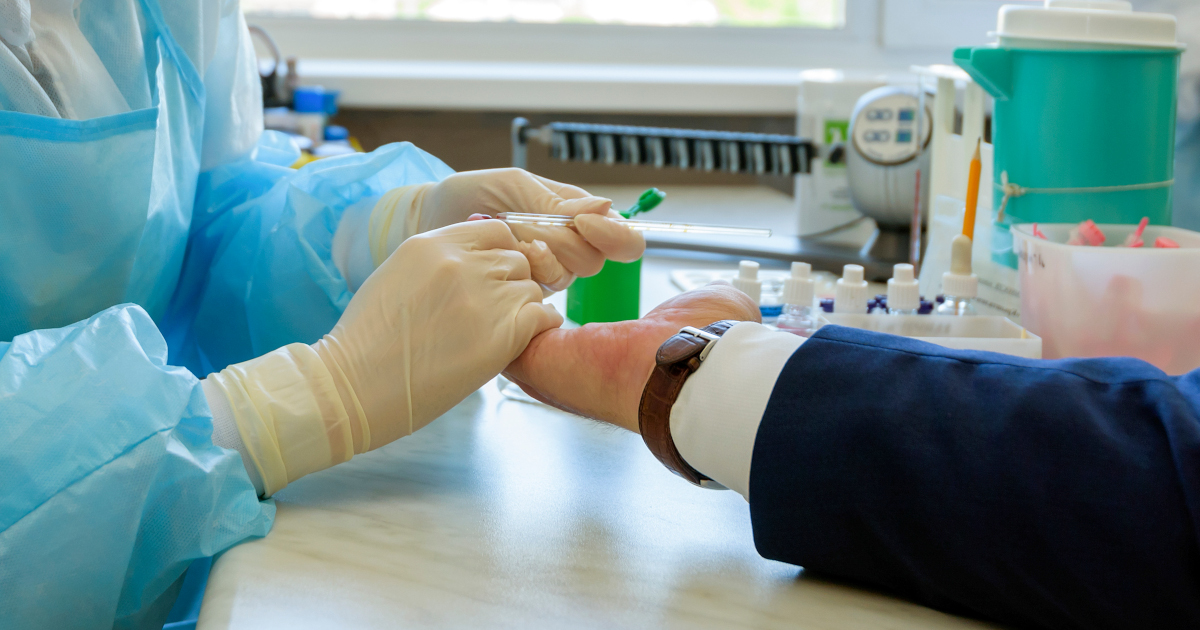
[(711, 151), (685, 149)]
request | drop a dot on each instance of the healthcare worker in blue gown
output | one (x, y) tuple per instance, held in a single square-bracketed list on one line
[(187, 325)]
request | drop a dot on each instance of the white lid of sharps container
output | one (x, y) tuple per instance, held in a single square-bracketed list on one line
[(1084, 23)]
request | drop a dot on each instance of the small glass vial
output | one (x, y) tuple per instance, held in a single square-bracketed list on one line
[(959, 286), (904, 294), (798, 317), (955, 305)]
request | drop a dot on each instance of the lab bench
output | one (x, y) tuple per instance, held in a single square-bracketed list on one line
[(507, 514)]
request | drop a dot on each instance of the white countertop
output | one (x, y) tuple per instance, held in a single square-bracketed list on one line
[(506, 514)]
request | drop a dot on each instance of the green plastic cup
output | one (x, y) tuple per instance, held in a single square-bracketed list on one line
[(613, 295)]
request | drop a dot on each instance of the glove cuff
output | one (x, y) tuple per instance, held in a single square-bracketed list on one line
[(289, 413), (396, 216), (329, 349)]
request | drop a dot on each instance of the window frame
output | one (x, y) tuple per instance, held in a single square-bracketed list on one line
[(925, 24), (856, 43), (578, 67)]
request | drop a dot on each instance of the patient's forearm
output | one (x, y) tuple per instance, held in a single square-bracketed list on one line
[(599, 370)]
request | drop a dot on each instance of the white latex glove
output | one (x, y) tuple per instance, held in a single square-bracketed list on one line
[(411, 210), (443, 315)]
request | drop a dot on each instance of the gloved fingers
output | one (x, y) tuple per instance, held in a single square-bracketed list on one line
[(566, 191), (534, 319), (546, 196), (547, 271), (506, 264), (572, 201), (482, 234), (614, 240), (521, 292), (572, 251), (576, 207)]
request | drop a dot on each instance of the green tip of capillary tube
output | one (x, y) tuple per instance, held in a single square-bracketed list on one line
[(647, 202)]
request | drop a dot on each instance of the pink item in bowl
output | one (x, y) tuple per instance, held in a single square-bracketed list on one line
[(1141, 302), (1165, 242), (1086, 233)]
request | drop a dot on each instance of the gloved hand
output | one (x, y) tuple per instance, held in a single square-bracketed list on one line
[(442, 315), (410, 210)]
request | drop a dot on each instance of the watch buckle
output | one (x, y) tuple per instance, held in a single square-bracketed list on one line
[(701, 334)]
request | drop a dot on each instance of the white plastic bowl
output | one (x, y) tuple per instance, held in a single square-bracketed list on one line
[(1112, 301)]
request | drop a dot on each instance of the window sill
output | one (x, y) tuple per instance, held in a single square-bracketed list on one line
[(565, 87)]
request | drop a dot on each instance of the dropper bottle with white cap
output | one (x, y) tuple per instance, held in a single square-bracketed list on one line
[(850, 295), (798, 317), (960, 287), (903, 293), (747, 280)]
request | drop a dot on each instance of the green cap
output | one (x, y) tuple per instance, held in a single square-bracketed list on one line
[(647, 202)]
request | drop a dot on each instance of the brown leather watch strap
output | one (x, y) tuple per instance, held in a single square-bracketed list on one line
[(676, 360)]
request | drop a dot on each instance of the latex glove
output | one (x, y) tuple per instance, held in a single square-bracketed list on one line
[(439, 318), (410, 210)]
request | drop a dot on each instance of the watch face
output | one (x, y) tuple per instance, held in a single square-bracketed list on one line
[(885, 130)]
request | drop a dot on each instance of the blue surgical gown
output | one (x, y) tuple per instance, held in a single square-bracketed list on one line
[(139, 251)]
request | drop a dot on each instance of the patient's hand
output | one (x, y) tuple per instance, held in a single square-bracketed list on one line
[(599, 370)]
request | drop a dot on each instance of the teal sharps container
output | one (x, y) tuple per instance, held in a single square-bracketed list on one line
[(1084, 120)]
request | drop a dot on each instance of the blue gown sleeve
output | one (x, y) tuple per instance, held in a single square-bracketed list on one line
[(1044, 494), (258, 272), (111, 485)]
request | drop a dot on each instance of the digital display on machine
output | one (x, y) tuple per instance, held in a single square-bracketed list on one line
[(888, 129)]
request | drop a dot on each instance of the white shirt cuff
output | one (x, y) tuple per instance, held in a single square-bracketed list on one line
[(716, 417), (225, 431)]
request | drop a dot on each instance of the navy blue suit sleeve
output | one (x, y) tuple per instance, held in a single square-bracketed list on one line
[(1056, 494)]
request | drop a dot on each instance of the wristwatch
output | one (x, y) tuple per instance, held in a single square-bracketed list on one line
[(676, 360)]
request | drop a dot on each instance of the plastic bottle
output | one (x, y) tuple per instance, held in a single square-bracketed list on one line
[(769, 305), (747, 280), (799, 317), (850, 296), (309, 104), (904, 293), (959, 286), (337, 142)]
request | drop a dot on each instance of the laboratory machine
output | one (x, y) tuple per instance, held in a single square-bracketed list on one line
[(752, 154)]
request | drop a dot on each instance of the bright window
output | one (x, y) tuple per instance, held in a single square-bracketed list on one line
[(752, 13)]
